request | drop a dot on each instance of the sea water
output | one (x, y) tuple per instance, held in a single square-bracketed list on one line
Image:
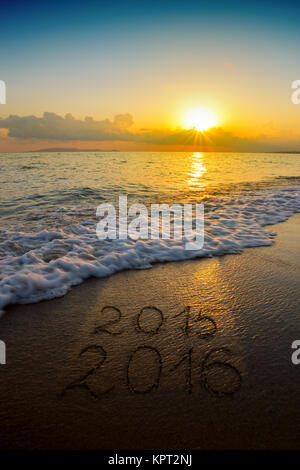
[(48, 240)]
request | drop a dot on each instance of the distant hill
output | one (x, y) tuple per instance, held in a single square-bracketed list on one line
[(68, 149), (287, 151)]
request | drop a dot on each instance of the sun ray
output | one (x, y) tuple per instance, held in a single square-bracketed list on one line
[(199, 119)]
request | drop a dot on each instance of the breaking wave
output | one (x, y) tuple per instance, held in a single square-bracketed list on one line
[(44, 264)]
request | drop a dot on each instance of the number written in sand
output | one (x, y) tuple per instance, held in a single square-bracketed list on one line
[(104, 327), (204, 326), (150, 320), (219, 376), (144, 370), (187, 361), (145, 366), (98, 354)]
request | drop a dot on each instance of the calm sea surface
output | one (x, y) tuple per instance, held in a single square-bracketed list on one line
[(36, 183)]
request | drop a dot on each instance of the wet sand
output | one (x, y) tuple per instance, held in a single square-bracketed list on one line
[(163, 377)]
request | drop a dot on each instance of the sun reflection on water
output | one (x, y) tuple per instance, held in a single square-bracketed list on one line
[(196, 172)]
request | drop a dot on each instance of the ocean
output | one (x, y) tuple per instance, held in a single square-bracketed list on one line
[(48, 239)]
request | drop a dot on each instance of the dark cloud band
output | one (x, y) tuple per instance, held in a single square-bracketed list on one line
[(51, 126)]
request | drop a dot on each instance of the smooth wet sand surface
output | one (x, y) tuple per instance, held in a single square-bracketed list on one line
[(161, 377)]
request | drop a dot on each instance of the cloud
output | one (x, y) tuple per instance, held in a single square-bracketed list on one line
[(51, 126)]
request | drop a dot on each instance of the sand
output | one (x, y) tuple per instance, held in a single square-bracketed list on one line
[(74, 381)]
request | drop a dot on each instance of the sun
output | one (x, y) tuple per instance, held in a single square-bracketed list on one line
[(200, 119)]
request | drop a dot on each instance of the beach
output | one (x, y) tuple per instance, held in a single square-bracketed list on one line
[(123, 363), (149, 231)]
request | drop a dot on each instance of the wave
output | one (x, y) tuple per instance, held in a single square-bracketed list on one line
[(42, 265)]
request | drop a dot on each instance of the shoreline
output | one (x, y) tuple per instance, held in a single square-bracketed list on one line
[(251, 302)]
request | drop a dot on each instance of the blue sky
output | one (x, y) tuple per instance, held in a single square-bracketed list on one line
[(153, 60)]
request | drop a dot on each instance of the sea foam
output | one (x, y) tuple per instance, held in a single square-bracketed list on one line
[(46, 264)]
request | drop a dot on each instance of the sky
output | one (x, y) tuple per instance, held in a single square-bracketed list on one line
[(122, 75)]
